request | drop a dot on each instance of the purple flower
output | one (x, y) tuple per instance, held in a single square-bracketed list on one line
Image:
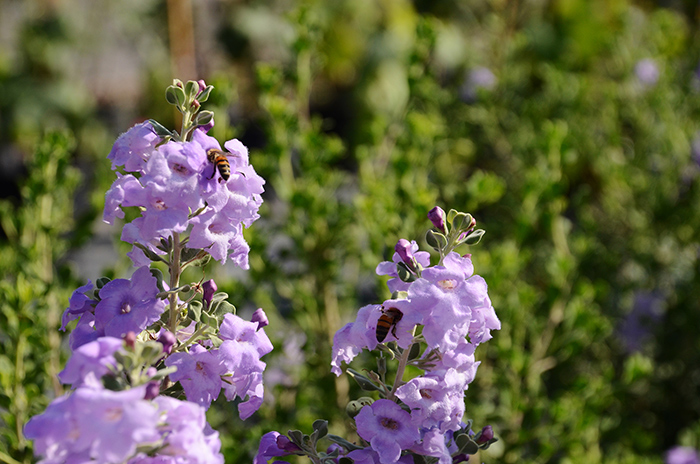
[(199, 372), (270, 447), (403, 248), (96, 357), (85, 331), (647, 72), (129, 305), (187, 434), (682, 455), (389, 268), (133, 148), (240, 352), (215, 233), (478, 79), (94, 424), (433, 444), (388, 429), (435, 400), (79, 303), (637, 328), (446, 302), (349, 341)]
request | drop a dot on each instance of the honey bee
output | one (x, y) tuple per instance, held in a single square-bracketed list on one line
[(220, 161), (387, 321)]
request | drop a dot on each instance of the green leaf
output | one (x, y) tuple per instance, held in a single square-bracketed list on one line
[(321, 426), (432, 240), (211, 321), (404, 273), (191, 90), (204, 117), (466, 445), (414, 351), (451, 215), (296, 437), (224, 308), (364, 383), (204, 95), (344, 443), (175, 96), (101, 282), (474, 237), (160, 129), (194, 311), (159, 278)]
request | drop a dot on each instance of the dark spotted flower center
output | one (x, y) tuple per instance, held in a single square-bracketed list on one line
[(389, 423)]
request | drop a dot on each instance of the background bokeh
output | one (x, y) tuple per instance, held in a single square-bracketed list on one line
[(568, 128)]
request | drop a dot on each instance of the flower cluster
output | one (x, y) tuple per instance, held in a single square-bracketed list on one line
[(436, 318), (149, 354), (175, 186)]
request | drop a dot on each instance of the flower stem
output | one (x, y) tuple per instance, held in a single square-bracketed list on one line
[(398, 380), (175, 271)]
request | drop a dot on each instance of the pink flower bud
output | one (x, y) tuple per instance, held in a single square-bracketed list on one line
[(209, 288), (260, 317), (437, 217), (130, 339), (403, 248), (486, 435), (167, 339)]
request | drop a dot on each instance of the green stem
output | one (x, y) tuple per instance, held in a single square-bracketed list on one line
[(175, 271), (192, 339), (398, 380)]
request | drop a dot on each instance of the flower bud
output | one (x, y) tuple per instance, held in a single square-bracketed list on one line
[(460, 458), (153, 387), (260, 317), (202, 85), (486, 435), (130, 339), (209, 288), (403, 248), (437, 217), (286, 444), (167, 339)]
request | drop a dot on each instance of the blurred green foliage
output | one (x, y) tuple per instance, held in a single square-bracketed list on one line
[(362, 116)]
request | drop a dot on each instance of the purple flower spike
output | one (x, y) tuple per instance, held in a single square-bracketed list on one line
[(403, 248), (209, 288), (437, 217), (388, 428), (260, 317)]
